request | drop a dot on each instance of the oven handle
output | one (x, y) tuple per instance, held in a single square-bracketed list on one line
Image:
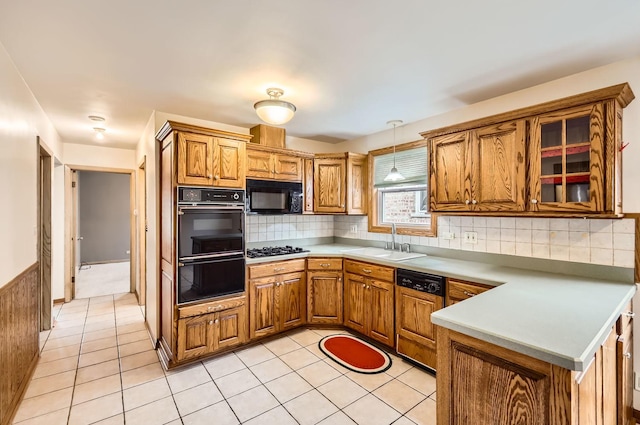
[(211, 208), (237, 254)]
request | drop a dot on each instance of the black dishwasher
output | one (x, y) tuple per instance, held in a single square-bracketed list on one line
[(415, 334)]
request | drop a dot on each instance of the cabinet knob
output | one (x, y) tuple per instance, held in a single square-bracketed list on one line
[(367, 270), (630, 314), (627, 355), (209, 308), (339, 279), (469, 294), (211, 322), (368, 286), (325, 265), (216, 321), (474, 202), (277, 283), (364, 286), (216, 177), (467, 202), (534, 201), (209, 176), (278, 269)]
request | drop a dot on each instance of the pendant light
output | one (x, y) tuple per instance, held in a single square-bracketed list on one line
[(273, 110), (394, 175)]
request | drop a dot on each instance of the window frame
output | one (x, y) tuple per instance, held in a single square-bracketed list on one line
[(375, 225)]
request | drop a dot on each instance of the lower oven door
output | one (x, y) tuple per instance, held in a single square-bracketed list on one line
[(210, 277)]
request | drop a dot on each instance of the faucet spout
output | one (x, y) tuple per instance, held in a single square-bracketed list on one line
[(393, 236)]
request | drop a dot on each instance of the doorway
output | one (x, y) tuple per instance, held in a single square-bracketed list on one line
[(101, 231), (45, 301)]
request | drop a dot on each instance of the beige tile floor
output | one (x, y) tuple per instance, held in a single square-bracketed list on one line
[(94, 280), (98, 367)]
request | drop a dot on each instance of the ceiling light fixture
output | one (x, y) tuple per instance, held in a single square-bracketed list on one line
[(99, 132), (96, 118), (273, 110), (394, 175)]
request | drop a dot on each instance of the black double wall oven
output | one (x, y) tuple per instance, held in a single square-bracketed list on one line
[(211, 239)]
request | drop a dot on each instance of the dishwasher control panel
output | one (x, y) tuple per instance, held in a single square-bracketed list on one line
[(423, 282)]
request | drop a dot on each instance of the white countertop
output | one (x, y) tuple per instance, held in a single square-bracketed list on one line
[(556, 318)]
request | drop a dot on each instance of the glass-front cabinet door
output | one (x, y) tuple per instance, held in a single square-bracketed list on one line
[(566, 164)]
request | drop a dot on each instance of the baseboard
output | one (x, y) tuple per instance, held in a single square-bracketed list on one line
[(58, 301), (15, 403)]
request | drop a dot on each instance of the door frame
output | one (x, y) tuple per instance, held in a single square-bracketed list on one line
[(44, 194), (70, 200), (142, 228)]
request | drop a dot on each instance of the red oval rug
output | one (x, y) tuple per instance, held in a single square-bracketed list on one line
[(355, 354)]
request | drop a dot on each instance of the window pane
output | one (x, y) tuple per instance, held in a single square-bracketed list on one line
[(412, 164), (404, 207)]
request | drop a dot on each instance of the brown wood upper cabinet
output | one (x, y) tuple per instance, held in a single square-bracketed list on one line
[(273, 164), (479, 170), (570, 147), (339, 183)]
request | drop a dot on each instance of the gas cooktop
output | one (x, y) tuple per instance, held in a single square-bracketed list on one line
[(269, 251)]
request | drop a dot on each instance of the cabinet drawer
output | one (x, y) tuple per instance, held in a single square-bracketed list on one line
[(279, 267), (625, 319), (459, 290), (370, 270), (210, 307), (324, 263)]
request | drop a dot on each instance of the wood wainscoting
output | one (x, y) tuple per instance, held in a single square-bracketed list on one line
[(18, 339)]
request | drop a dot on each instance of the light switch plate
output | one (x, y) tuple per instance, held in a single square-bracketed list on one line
[(448, 235)]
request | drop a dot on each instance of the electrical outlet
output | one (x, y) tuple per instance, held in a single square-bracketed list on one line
[(448, 236), (471, 237), (354, 228)]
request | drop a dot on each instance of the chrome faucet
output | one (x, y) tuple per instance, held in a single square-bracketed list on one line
[(393, 236)]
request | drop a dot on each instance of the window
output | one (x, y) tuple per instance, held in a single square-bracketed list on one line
[(404, 203)]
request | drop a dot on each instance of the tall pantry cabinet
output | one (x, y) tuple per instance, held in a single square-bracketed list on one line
[(195, 156)]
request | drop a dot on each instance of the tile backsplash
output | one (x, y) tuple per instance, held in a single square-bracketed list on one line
[(262, 228), (596, 241)]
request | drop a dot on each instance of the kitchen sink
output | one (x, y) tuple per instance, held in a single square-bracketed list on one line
[(384, 254)]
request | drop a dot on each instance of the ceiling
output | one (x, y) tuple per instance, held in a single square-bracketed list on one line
[(348, 66)]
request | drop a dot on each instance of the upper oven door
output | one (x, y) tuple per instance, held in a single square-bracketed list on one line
[(210, 231)]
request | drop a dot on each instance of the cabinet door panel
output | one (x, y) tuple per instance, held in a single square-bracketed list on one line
[(379, 304), (292, 301), (259, 164), (624, 361), (450, 173), (262, 318), (308, 185), (354, 302), (325, 297), (229, 163), (357, 190), (195, 336), (499, 167), (329, 185), (195, 159), (231, 327), (288, 168)]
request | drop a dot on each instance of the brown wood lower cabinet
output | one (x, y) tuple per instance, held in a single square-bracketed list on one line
[(460, 290), (278, 298), (624, 362), (482, 384), (324, 291), (204, 334), (415, 334), (368, 301)]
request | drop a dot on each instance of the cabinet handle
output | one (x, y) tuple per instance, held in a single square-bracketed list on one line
[(364, 286), (534, 201), (216, 321), (629, 314), (474, 202), (209, 176), (211, 322), (367, 270), (368, 286), (278, 283), (216, 177), (469, 294), (278, 269), (209, 308), (325, 265), (467, 202), (627, 355)]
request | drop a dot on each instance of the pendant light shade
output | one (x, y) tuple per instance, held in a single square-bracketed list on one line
[(273, 110), (394, 175)]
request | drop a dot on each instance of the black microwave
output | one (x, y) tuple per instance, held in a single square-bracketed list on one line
[(273, 197)]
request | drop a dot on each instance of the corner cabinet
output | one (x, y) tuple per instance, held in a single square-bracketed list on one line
[(192, 155), (560, 157), (324, 291), (340, 183), (369, 300), (277, 297), (207, 157)]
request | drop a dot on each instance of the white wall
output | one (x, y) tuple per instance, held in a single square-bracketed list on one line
[(99, 156), (21, 120)]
